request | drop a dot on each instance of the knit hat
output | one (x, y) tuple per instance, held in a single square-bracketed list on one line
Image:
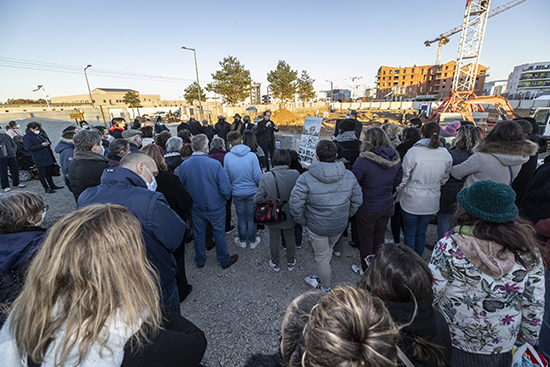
[(489, 201), (450, 129), (347, 125), (130, 133)]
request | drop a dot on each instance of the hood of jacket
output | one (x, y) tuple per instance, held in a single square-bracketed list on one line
[(21, 246), (423, 324), (346, 136), (240, 150), (64, 144), (327, 172), (89, 156), (123, 176), (385, 157), (507, 148), (487, 256)]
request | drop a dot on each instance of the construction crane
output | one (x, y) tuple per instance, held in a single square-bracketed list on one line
[(462, 99), (443, 38)]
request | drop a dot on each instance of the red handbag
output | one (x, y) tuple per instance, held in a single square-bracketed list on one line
[(269, 212)]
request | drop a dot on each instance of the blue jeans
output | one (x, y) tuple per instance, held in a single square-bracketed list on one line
[(443, 224), (244, 205), (414, 230), (200, 221), (544, 337)]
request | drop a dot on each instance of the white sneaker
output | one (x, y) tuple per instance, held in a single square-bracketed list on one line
[(239, 243), (313, 281), (21, 186), (291, 265), (357, 269), (7, 189), (275, 267), (255, 244), (337, 253)]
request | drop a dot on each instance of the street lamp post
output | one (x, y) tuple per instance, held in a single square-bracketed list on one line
[(331, 95), (197, 72), (88, 84), (44, 89)]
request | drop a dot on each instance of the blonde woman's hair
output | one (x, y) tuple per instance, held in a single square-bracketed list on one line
[(91, 267), (349, 327), (153, 151), (373, 138), (16, 208)]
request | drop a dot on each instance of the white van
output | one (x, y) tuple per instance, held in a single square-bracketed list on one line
[(542, 117)]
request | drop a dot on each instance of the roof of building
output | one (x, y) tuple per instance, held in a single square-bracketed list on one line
[(115, 90)]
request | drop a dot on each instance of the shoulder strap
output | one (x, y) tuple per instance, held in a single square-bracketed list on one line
[(511, 175), (406, 361), (276, 185)]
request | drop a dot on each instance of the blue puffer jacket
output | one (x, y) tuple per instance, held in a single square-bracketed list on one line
[(378, 172), (42, 156), (206, 181), (16, 249), (163, 230), (65, 149), (243, 170)]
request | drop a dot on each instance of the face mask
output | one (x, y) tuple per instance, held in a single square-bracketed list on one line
[(348, 116), (102, 150), (41, 220), (18, 126), (161, 123), (37, 132), (153, 185)]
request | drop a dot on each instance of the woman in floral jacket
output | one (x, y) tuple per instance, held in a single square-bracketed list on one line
[(488, 277)]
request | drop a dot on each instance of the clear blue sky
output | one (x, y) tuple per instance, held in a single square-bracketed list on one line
[(330, 39)]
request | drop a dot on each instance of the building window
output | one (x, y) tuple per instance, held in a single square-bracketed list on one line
[(412, 71), (403, 77), (403, 83), (446, 68), (404, 71), (391, 71), (104, 101), (422, 71), (445, 75), (383, 84), (384, 72), (397, 71)]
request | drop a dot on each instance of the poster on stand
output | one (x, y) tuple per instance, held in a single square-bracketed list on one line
[(310, 137)]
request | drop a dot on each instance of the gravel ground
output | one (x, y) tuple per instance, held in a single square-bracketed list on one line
[(240, 309)]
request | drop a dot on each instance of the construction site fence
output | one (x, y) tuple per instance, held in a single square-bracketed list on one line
[(101, 114)]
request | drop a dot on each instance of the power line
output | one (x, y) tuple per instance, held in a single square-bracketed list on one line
[(68, 69)]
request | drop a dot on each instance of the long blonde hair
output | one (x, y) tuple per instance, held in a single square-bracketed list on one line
[(92, 266)]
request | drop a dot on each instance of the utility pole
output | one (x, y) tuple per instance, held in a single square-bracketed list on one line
[(88, 84), (44, 89), (197, 72), (331, 95)]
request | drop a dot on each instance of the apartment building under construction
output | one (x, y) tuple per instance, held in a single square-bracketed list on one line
[(428, 82)]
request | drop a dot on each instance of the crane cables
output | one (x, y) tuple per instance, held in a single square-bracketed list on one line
[(68, 69)]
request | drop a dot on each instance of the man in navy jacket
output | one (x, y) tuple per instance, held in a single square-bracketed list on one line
[(207, 183), (132, 185)]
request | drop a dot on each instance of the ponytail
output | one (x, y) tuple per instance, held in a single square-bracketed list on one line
[(422, 349), (431, 131)]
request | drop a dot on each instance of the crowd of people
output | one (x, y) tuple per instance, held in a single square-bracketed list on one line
[(72, 294)]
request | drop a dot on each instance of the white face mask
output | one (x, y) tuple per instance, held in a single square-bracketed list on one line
[(102, 150), (152, 186), (161, 123), (41, 220), (37, 132)]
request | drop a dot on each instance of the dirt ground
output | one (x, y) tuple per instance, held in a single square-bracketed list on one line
[(240, 309)]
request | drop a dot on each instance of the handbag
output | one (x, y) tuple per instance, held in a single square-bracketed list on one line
[(527, 356), (269, 212)]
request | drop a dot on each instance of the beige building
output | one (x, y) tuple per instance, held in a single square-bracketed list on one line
[(110, 97)]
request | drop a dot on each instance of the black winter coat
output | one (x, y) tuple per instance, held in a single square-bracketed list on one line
[(8, 148), (534, 203), (195, 126), (452, 186), (177, 197), (528, 168), (184, 126), (404, 147), (222, 128), (42, 156), (428, 324), (85, 171)]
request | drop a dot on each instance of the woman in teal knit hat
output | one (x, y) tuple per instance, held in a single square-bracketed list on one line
[(488, 277)]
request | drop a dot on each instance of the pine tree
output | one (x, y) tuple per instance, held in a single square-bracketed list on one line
[(232, 82), (132, 100), (190, 93), (304, 86), (282, 81)]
